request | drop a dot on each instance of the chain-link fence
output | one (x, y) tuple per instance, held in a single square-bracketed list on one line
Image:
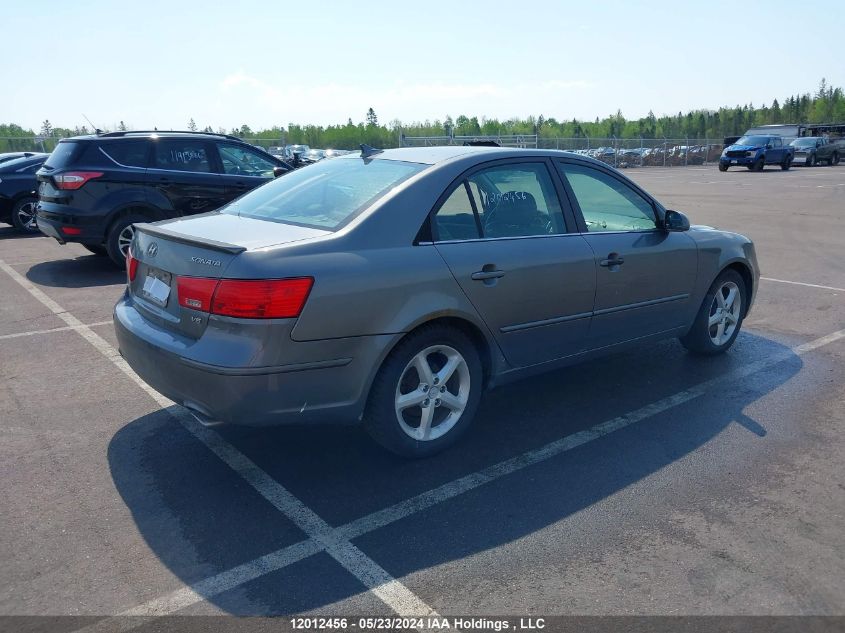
[(622, 153), (641, 152), (28, 144), (503, 140)]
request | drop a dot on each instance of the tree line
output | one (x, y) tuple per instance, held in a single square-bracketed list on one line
[(826, 105)]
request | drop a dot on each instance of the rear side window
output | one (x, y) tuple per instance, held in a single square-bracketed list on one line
[(516, 200), (242, 161), (127, 153), (187, 155), (62, 155), (325, 195)]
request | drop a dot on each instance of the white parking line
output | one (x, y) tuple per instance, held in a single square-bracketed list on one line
[(336, 541), (374, 577), (801, 283), (50, 331), (226, 580)]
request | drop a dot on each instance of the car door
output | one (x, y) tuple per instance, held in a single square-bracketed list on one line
[(645, 274), (183, 173), (502, 233), (775, 154), (242, 168)]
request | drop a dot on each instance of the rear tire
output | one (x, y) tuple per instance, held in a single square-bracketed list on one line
[(97, 249), (720, 316), (119, 236), (419, 412), (23, 215)]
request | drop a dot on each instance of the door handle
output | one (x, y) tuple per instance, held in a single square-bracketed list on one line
[(613, 259), (483, 275), (240, 185)]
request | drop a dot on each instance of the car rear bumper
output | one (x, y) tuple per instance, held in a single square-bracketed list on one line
[(329, 391), (68, 228)]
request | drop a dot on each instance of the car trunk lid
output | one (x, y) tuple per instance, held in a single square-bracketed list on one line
[(196, 249)]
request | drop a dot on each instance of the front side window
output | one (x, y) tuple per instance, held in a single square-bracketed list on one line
[(607, 204), (185, 155), (242, 161), (325, 195), (516, 200)]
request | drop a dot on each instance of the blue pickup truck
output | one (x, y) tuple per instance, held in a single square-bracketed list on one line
[(756, 151)]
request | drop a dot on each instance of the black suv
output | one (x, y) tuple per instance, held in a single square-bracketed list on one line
[(93, 188)]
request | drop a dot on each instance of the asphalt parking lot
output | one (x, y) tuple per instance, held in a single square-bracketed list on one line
[(651, 482)]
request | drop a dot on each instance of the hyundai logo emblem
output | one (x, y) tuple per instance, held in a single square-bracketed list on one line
[(152, 249)]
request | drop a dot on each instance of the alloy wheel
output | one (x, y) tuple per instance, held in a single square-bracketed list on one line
[(26, 216), (432, 393), (724, 313), (124, 238)]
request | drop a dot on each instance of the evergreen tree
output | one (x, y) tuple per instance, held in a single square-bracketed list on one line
[(192, 126), (46, 128), (372, 119)]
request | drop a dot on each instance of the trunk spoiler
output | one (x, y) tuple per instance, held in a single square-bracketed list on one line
[(173, 236)]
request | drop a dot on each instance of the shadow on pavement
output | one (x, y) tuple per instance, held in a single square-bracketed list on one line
[(200, 520), (82, 272)]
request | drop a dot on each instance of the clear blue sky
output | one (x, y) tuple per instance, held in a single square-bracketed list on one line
[(262, 63)]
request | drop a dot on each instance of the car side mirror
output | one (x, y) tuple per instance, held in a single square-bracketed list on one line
[(675, 221), (279, 171), (768, 146)]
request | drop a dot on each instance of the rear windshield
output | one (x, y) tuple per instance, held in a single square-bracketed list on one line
[(18, 163), (61, 155), (325, 195)]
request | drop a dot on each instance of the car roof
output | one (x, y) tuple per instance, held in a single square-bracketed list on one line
[(443, 153), (111, 136)]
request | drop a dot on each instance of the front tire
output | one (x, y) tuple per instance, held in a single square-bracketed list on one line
[(723, 167), (758, 165), (835, 159), (119, 236), (720, 316), (426, 392), (23, 215), (811, 160)]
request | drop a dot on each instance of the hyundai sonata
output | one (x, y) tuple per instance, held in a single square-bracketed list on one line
[(391, 288)]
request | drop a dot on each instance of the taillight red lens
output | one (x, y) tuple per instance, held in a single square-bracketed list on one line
[(75, 179), (261, 299), (195, 292), (247, 299), (131, 265), (71, 230)]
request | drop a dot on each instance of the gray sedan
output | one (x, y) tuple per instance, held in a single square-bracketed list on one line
[(392, 288)]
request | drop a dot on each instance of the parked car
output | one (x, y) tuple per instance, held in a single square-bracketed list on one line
[(17, 191), (810, 150), (7, 156), (392, 288), (757, 151), (92, 189)]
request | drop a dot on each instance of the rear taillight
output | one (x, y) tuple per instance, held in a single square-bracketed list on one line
[(131, 265), (71, 230), (195, 292), (247, 299), (260, 299), (75, 179)]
